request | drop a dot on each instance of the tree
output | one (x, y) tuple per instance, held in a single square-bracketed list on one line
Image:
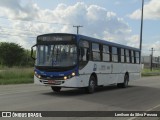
[(11, 54), (27, 60)]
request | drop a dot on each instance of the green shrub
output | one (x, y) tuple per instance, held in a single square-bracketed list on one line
[(16, 75)]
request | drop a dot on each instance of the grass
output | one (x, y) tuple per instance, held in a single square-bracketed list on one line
[(148, 72), (16, 75)]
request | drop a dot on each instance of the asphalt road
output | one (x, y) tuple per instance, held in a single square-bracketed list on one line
[(141, 95)]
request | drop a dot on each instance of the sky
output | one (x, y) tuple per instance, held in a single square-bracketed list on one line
[(112, 20)]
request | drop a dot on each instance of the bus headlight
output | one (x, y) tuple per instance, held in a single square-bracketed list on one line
[(73, 74), (35, 73), (39, 76), (65, 77)]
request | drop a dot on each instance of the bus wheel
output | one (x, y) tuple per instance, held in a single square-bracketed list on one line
[(56, 89), (125, 83), (92, 85)]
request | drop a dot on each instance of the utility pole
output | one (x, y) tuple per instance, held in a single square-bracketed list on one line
[(151, 67), (141, 26), (141, 31), (77, 26)]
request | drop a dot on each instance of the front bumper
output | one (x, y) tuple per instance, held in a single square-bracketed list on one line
[(72, 82)]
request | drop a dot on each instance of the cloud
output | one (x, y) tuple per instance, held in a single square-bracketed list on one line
[(151, 11), (133, 41), (97, 22), (10, 4), (16, 10)]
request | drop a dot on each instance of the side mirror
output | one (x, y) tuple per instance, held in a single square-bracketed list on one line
[(32, 52)]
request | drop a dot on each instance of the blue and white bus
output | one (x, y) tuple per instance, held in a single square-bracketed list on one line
[(77, 61)]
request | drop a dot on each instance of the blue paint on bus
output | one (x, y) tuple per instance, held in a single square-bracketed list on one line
[(57, 74)]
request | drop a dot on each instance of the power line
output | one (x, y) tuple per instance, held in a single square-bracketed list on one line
[(31, 21), (27, 32), (2, 17), (2, 35), (5, 32), (3, 27)]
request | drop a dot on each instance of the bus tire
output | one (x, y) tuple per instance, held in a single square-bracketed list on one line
[(91, 85), (119, 85), (56, 89), (125, 83)]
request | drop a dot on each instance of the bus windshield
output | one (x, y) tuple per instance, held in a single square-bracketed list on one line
[(56, 55)]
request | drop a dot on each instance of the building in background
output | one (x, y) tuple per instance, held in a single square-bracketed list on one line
[(146, 61)]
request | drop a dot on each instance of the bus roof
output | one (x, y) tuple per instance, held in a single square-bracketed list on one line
[(96, 40), (107, 42)]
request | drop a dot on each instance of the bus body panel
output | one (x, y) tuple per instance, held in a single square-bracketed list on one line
[(111, 73), (107, 73)]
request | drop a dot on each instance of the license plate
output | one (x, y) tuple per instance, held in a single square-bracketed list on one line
[(51, 81)]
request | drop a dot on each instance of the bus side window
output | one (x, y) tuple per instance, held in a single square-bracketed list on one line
[(87, 54), (127, 56), (114, 54), (84, 50), (84, 54), (96, 56), (137, 56), (81, 53), (122, 55)]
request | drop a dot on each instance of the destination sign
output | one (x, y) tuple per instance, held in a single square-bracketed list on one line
[(55, 38)]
